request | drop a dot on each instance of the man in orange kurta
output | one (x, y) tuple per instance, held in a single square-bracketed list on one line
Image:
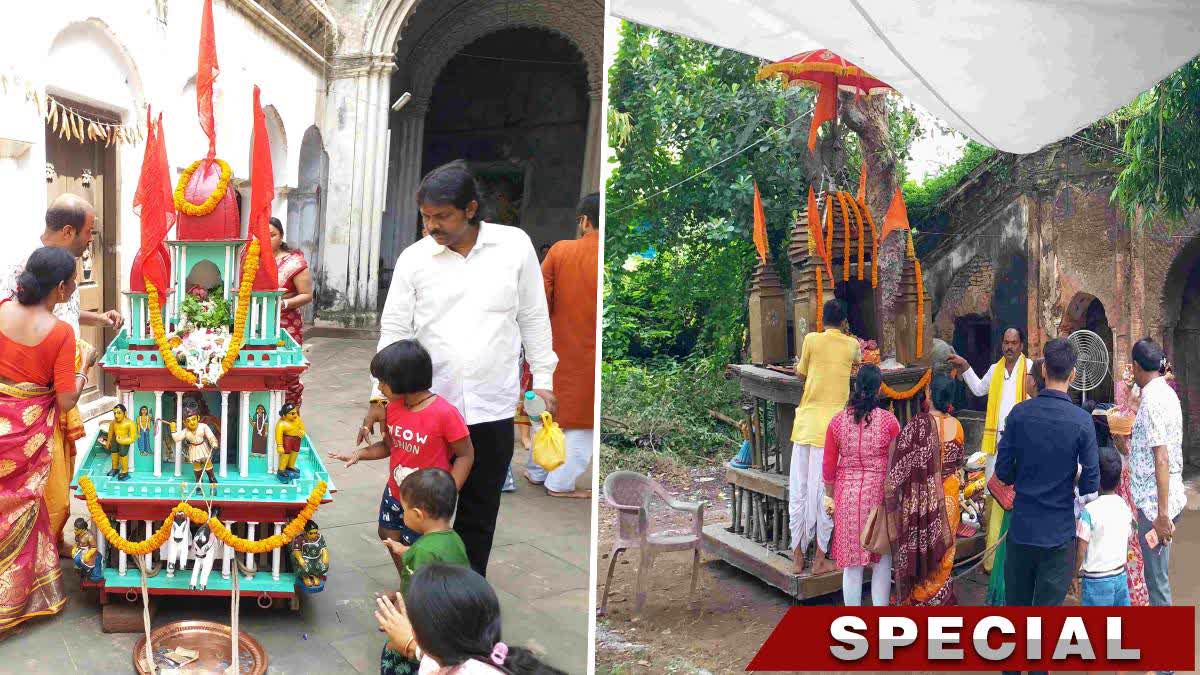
[(571, 272)]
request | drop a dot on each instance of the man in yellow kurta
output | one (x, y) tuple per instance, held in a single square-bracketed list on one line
[(1004, 386), (826, 360), (122, 434)]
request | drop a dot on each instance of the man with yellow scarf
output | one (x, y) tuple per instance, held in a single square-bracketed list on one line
[(1004, 386)]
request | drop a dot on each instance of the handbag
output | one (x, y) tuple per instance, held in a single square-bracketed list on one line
[(1002, 492), (874, 536)]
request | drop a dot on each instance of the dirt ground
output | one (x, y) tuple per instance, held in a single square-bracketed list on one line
[(735, 612)]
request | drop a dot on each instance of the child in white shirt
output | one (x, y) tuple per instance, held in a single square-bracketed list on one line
[(1102, 532)]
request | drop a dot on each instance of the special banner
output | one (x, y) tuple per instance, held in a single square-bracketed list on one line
[(981, 639)]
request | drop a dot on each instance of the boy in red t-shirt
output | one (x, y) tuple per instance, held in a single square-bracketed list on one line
[(423, 431)]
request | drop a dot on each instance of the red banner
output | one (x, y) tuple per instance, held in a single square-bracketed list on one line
[(981, 639)]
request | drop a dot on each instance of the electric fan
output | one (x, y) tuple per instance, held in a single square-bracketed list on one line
[(1091, 364)]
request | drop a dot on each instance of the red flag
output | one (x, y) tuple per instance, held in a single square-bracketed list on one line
[(816, 233), (825, 110), (897, 216), (760, 225), (153, 204), (262, 193), (206, 74)]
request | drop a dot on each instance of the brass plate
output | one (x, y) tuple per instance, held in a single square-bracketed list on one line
[(211, 639)]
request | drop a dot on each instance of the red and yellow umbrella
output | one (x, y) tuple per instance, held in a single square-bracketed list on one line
[(829, 73)]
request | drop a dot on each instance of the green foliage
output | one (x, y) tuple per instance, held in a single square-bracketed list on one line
[(1162, 178), (681, 109), (662, 407), (921, 200), (215, 315)]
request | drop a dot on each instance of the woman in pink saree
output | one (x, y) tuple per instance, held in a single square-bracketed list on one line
[(37, 380), (295, 280)]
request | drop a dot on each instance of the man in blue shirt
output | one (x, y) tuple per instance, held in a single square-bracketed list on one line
[(1046, 441)]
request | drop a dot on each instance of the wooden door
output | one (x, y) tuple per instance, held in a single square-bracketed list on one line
[(81, 169)]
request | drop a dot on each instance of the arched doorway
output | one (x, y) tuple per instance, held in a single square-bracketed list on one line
[(306, 205), (1086, 312), (1181, 304)]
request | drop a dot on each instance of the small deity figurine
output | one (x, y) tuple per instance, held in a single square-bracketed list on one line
[(145, 429), (288, 433), (200, 443), (87, 557), (177, 545), (122, 433), (259, 429), (205, 552), (311, 557)]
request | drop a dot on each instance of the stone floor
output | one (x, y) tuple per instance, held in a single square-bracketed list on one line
[(539, 566)]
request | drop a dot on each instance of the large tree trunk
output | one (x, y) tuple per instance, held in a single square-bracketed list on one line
[(868, 117)]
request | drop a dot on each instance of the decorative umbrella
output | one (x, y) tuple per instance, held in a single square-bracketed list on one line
[(829, 73)]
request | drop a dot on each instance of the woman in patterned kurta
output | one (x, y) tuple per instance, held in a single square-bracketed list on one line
[(295, 280), (858, 445), (1128, 398), (922, 501)]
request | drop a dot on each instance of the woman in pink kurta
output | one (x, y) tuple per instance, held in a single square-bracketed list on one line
[(858, 444)]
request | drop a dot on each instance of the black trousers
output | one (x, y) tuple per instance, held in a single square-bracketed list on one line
[(1036, 576), (479, 499)]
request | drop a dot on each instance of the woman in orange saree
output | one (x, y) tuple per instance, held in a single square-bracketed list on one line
[(37, 380), (922, 501)]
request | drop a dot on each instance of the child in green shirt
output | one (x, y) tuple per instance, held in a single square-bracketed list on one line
[(428, 497)]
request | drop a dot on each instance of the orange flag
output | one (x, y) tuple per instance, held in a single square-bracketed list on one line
[(262, 193), (862, 183), (206, 74), (760, 225), (897, 216), (814, 231), (825, 110)]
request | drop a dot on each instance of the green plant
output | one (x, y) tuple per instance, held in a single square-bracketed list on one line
[(213, 312)]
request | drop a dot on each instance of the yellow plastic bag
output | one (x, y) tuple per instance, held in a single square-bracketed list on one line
[(549, 444)]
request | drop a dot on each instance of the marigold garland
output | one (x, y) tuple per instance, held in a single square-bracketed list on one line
[(290, 531), (912, 253), (874, 244), (841, 197), (861, 240), (820, 300), (208, 205), (908, 393), (829, 228), (246, 285)]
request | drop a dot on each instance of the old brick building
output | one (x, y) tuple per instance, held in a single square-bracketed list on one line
[(1035, 241)]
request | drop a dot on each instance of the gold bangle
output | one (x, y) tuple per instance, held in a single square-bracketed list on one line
[(409, 644)]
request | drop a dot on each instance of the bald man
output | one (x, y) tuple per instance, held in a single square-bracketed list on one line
[(70, 221)]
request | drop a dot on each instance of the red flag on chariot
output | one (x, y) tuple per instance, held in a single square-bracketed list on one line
[(154, 205), (262, 193), (206, 74)]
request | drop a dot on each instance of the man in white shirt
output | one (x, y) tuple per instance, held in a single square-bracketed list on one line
[(1012, 347), (472, 294)]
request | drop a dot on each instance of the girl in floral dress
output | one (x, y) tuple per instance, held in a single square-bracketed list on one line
[(858, 447), (1127, 396), (295, 280)]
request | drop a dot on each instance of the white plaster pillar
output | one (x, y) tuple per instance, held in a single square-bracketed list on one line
[(359, 100), (409, 135), (248, 429), (121, 558), (250, 527), (275, 554), (101, 543), (178, 426), (273, 419), (591, 151), (224, 431), (158, 428)]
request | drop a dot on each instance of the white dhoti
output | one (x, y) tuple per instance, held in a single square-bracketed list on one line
[(806, 492)]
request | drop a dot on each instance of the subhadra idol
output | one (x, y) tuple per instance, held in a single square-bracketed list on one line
[(202, 356)]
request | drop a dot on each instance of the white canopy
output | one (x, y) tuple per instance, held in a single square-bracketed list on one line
[(1014, 74)]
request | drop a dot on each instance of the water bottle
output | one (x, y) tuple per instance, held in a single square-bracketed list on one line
[(534, 405)]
